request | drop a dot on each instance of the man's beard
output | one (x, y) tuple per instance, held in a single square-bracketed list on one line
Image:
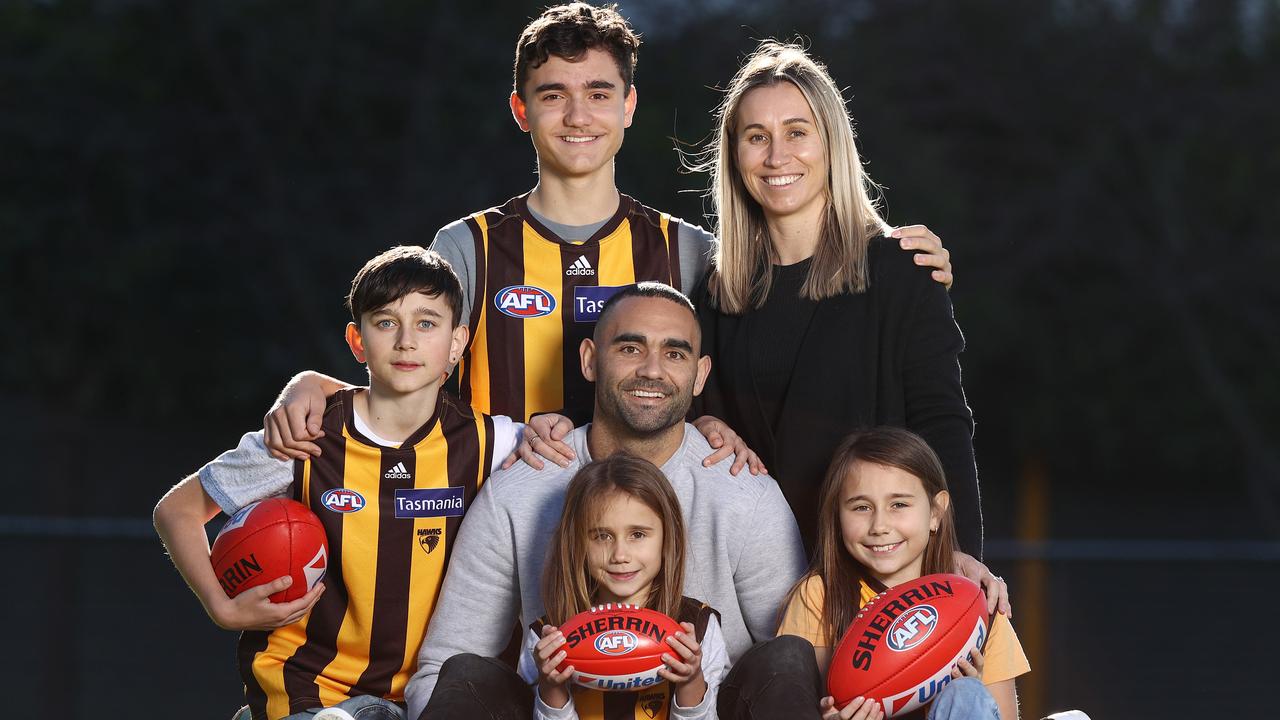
[(643, 421)]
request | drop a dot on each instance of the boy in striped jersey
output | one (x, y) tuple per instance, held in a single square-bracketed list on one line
[(537, 269), (411, 453)]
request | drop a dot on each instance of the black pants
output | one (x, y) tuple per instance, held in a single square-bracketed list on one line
[(470, 686), (775, 679), (778, 678)]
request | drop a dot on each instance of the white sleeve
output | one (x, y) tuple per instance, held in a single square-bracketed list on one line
[(246, 474), (543, 711), (715, 665), (506, 434)]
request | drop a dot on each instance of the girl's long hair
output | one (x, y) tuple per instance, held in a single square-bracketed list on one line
[(832, 564), (745, 252), (567, 586)]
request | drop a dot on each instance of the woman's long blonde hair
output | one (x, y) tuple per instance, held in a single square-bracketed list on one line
[(567, 586), (745, 253)]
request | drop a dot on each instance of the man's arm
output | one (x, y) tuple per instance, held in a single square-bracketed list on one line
[(479, 601), (765, 572)]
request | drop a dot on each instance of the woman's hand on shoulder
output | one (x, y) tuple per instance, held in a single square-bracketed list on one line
[(930, 252), (726, 442), (993, 585), (543, 438), (858, 709)]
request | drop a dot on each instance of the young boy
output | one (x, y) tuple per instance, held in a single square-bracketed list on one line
[(354, 643)]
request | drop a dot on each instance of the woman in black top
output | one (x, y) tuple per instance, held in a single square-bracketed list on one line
[(817, 324)]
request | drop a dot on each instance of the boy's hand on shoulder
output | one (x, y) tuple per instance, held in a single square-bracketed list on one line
[(293, 422), (930, 251), (253, 609), (543, 438)]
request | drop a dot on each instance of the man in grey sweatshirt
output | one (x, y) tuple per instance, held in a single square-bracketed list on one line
[(744, 549)]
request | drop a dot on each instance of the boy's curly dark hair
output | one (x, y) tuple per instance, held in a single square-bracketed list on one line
[(569, 31)]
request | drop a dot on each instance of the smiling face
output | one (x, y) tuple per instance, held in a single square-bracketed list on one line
[(408, 344), (886, 520), (645, 364), (575, 113), (624, 550), (780, 156)]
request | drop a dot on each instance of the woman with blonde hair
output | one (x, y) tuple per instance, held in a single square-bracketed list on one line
[(819, 324)]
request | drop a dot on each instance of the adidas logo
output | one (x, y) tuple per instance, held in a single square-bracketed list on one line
[(580, 267), (397, 472)]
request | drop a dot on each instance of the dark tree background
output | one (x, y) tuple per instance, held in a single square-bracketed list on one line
[(189, 187)]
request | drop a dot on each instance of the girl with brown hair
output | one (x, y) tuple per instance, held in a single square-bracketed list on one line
[(621, 539), (884, 518)]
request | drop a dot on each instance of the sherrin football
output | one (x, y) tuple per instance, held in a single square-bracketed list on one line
[(269, 539), (617, 647), (902, 646)]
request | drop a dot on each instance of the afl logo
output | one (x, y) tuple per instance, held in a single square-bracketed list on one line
[(912, 627), (524, 301), (616, 642), (342, 500)]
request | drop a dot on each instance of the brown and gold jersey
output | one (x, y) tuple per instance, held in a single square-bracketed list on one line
[(390, 515), (535, 297), (651, 703)]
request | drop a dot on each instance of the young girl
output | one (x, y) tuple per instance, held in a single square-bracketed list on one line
[(885, 518), (621, 540)]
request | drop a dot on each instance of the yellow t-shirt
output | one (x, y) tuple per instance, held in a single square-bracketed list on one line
[(1003, 656)]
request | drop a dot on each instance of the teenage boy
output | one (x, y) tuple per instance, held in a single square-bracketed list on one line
[(536, 270), (354, 644)]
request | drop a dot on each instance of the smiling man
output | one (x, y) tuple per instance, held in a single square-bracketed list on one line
[(744, 549)]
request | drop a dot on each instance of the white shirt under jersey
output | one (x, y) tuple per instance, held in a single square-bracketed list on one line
[(248, 473)]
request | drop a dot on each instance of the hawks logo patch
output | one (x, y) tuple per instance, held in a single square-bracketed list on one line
[(428, 539)]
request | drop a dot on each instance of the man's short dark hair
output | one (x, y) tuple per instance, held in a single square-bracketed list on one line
[(649, 290), (569, 31), (400, 271)]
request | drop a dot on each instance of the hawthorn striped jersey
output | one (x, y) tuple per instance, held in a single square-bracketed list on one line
[(390, 515), (531, 297)]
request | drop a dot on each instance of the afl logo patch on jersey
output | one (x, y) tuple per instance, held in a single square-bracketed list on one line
[(524, 301), (342, 500)]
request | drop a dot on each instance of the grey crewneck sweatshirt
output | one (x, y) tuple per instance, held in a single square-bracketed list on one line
[(743, 555)]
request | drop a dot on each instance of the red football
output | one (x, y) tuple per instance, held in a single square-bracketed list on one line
[(902, 646), (617, 647), (269, 539)]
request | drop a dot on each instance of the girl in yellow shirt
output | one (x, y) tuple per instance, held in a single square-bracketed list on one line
[(885, 518)]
